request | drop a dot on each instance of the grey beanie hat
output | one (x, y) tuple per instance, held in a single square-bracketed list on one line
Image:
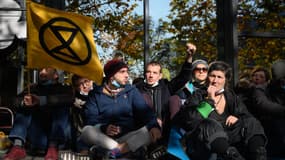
[(199, 61), (278, 69)]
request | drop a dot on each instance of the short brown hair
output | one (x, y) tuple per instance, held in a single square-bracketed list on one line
[(155, 63), (261, 69)]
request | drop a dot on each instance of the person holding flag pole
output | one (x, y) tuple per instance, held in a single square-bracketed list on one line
[(56, 40), (42, 117)]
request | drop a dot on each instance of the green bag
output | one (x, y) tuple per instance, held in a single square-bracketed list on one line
[(205, 109)]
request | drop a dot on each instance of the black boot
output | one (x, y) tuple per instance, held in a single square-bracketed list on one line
[(233, 154), (261, 153)]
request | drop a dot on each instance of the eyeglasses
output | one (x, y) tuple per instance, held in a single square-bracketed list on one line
[(83, 82), (200, 69)]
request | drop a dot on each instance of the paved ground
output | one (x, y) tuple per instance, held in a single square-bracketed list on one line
[(64, 155), (34, 158), (27, 158), (69, 156)]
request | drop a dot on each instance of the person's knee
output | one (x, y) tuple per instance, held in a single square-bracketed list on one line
[(87, 129), (209, 129), (87, 132)]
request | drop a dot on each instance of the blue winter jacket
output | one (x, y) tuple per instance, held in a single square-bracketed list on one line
[(127, 109)]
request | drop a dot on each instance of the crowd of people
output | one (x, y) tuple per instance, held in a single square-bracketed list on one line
[(118, 119)]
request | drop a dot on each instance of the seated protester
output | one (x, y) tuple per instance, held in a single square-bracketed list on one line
[(269, 104), (157, 91), (216, 121), (199, 76), (117, 117), (81, 87), (42, 117)]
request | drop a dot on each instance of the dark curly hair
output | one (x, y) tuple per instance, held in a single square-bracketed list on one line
[(224, 67)]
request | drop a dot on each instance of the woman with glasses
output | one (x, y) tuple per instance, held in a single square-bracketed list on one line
[(199, 76), (199, 73)]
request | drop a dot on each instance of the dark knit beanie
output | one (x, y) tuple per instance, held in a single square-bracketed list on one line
[(112, 67), (278, 69)]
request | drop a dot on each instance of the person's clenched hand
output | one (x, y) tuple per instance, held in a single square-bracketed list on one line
[(155, 134)]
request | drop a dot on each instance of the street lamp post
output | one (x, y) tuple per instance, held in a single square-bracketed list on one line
[(227, 34), (146, 35)]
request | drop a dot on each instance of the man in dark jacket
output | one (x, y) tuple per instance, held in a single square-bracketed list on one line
[(42, 116), (157, 91), (117, 117), (269, 104)]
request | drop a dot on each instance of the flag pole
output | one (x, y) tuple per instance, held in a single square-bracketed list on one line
[(29, 82)]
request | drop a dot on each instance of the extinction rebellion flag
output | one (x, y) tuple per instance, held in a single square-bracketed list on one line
[(62, 40)]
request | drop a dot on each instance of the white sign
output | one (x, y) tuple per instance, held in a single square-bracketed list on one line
[(12, 21)]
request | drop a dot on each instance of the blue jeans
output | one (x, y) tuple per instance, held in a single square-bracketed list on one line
[(42, 126)]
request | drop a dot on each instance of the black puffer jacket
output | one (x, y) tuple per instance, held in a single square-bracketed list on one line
[(188, 117)]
